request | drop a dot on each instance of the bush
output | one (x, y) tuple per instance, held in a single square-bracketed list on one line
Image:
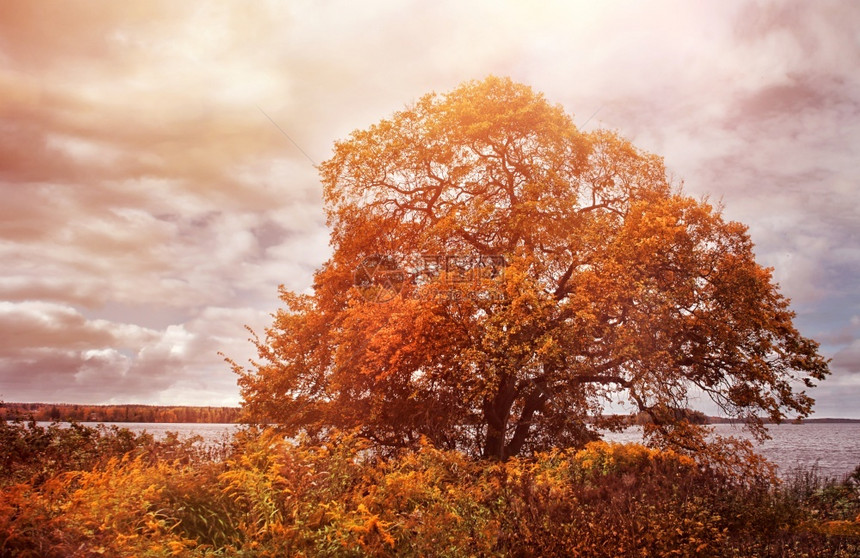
[(274, 497), (35, 453)]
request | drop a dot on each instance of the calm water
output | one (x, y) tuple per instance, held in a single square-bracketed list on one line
[(834, 448), (211, 433)]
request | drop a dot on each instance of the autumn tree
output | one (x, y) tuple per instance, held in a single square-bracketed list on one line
[(499, 276)]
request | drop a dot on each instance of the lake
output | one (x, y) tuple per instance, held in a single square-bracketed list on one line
[(833, 447)]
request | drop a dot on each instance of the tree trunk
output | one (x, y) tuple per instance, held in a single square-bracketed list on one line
[(534, 404), (496, 414)]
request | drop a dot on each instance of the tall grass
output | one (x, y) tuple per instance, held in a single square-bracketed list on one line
[(85, 492)]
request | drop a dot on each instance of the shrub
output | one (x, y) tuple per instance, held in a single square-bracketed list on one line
[(275, 497)]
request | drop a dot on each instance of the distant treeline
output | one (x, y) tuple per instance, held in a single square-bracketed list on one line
[(66, 412), (697, 417), (118, 413)]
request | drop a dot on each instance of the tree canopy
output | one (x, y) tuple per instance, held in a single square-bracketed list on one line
[(499, 277)]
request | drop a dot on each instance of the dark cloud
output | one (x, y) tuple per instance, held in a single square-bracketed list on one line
[(848, 359), (35, 325)]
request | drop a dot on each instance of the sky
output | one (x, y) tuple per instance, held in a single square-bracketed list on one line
[(149, 207)]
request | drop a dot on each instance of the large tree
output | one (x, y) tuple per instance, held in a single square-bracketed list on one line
[(499, 276)]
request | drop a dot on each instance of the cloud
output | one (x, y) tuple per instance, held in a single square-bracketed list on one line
[(150, 209), (848, 359), (53, 351), (48, 348), (30, 325)]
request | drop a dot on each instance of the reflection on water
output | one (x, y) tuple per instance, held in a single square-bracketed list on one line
[(833, 447)]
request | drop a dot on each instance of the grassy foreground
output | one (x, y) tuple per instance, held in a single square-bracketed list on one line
[(83, 491)]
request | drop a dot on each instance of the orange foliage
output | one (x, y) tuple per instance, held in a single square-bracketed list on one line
[(278, 498), (613, 285)]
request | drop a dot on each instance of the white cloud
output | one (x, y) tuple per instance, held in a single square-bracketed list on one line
[(150, 209)]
